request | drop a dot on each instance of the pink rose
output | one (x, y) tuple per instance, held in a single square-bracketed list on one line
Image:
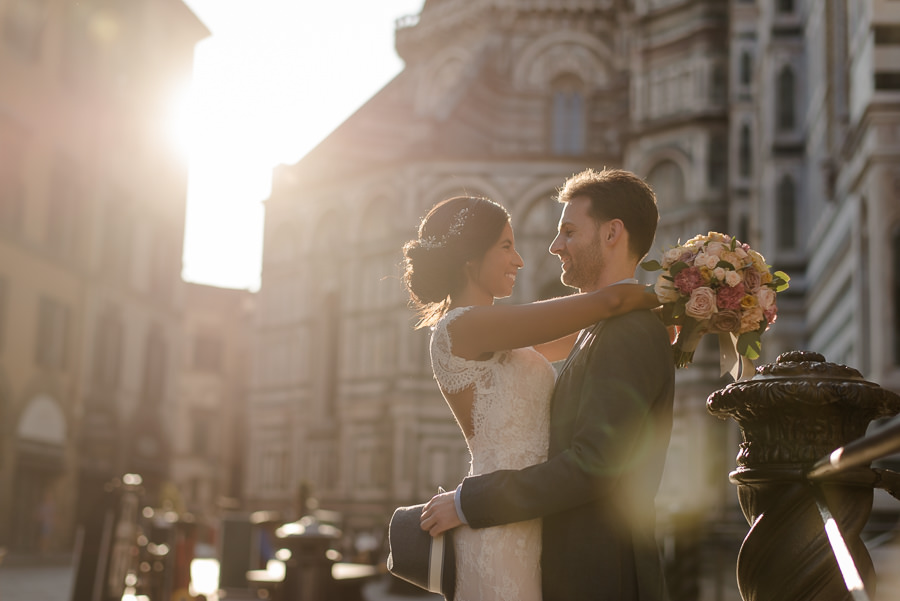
[(688, 279), (752, 280), (730, 297), (702, 303), (766, 297), (725, 321), (770, 314)]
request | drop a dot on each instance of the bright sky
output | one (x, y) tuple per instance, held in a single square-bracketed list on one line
[(273, 80)]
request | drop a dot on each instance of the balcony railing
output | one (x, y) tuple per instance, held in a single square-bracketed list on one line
[(803, 476), (881, 443)]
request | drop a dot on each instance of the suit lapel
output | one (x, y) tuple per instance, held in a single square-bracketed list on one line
[(584, 339)]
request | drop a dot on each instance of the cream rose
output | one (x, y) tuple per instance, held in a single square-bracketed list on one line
[(665, 290), (706, 260), (733, 278), (672, 256), (702, 303), (750, 319), (715, 248), (759, 262)]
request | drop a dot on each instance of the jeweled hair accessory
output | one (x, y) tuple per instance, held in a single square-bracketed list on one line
[(456, 226)]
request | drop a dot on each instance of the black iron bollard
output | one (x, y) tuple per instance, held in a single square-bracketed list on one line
[(792, 413), (307, 575)]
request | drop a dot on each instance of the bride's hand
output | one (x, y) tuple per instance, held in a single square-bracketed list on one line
[(439, 514), (630, 297)]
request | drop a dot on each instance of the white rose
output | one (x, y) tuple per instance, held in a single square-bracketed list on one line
[(665, 290), (733, 278), (719, 273), (710, 261), (672, 255), (715, 248)]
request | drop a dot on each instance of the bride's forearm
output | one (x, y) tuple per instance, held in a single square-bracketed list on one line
[(501, 327)]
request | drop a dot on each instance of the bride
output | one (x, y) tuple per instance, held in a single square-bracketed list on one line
[(493, 366)]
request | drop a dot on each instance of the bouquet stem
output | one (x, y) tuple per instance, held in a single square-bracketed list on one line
[(686, 343)]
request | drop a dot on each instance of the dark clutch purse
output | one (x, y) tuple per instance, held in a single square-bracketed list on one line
[(417, 557)]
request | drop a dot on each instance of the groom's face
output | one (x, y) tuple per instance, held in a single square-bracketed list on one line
[(578, 246)]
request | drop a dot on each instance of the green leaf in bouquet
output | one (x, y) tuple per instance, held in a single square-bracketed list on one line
[(749, 344), (733, 244), (726, 265), (651, 265), (780, 279), (678, 309), (676, 267), (670, 316)]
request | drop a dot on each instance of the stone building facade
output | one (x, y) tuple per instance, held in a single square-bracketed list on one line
[(208, 434), (92, 204), (775, 121)]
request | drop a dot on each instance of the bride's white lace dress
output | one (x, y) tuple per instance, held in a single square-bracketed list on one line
[(511, 418)]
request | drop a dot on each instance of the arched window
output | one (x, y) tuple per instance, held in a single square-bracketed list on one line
[(717, 85), (154, 368), (717, 161), (118, 236), (746, 69), (786, 211), (786, 113), (745, 152), (895, 252), (65, 207), (568, 116)]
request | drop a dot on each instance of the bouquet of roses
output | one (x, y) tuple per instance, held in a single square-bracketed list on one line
[(716, 284)]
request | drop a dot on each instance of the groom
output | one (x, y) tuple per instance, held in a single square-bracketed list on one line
[(610, 423)]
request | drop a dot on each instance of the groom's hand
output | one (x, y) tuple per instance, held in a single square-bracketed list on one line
[(439, 514)]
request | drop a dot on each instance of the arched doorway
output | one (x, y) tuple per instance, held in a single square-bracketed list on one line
[(40, 438)]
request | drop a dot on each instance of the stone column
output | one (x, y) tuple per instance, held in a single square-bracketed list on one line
[(792, 413)]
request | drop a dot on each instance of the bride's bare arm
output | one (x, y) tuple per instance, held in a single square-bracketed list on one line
[(558, 349), (488, 328)]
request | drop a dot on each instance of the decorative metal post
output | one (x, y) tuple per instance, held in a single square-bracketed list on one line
[(792, 413)]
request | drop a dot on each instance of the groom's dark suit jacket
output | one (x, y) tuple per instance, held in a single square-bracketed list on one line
[(610, 424)]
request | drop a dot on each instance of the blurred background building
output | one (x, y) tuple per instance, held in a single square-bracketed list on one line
[(778, 122), (209, 417), (92, 209)]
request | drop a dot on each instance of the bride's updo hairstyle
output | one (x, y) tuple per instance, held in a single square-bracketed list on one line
[(454, 231)]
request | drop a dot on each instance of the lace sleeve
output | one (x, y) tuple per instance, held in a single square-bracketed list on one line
[(452, 373)]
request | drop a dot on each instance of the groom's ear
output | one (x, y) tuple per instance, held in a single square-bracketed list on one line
[(614, 230)]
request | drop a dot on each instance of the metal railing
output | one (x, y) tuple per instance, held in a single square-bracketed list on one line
[(883, 442)]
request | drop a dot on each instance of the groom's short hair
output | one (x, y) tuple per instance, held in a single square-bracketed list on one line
[(618, 194)]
